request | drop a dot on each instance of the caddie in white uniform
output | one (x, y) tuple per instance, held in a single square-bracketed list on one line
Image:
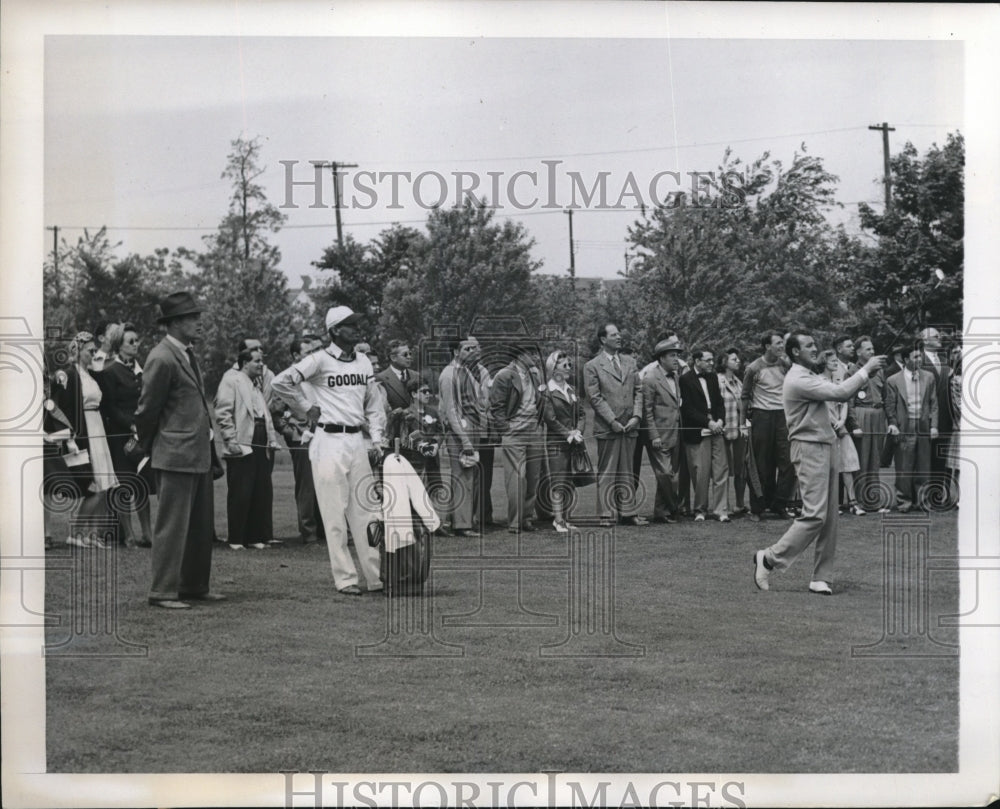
[(344, 396)]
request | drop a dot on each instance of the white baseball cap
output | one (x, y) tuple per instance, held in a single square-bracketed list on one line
[(340, 315)]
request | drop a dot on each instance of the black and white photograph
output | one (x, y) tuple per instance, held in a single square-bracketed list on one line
[(478, 403)]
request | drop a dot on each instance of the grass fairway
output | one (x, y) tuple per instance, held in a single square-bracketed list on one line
[(729, 679)]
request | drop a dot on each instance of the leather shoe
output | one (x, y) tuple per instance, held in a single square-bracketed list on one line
[(168, 604), (820, 588), (442, 532), (761, 574), (636, 521), (351, 590), (466, 532), (204, 597), (754, 517)]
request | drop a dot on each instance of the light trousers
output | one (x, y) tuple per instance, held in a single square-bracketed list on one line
[(709, 474), (522, 455), (815, 466), (615, 483), (345, 492)]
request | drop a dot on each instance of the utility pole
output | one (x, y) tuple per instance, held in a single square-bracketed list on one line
[(336, 196), (572, 255), (55, 257), (886, 129)]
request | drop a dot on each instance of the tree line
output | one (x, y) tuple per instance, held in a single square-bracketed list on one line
[(717, 273)]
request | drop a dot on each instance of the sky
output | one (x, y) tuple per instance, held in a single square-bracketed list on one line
[(137, 128)]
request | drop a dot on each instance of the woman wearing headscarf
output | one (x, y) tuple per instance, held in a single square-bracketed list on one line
[(121, 384), (78, 396), (562, 413)]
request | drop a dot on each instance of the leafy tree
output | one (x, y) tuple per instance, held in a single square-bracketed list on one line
[(922, 230), (471, 265), (237, 277), (753, 251), (362, 273)]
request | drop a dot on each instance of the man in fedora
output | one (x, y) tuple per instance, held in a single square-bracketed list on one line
[(175, 429), (661, 400)]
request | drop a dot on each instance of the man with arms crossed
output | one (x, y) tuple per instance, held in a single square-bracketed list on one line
[(813, 450)]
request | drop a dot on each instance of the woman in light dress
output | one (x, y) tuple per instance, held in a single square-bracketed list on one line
[(849, 461), (78, 395)]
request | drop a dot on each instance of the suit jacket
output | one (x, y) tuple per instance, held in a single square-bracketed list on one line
[(173, 418), (662, 406), (234, 413), (615, 397), (561, 416), (395, 390), (942, 383), (695, 411), (896, 411), (506, 394)]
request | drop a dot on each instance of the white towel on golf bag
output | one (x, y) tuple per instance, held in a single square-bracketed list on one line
[(401, 488)]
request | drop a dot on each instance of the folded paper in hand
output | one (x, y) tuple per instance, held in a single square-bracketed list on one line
[(78, 458)]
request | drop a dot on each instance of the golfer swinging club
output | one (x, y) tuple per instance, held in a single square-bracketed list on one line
[(814, 451)]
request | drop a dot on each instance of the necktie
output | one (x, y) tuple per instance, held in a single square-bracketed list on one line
[(914, 376), (404, 376), (194, 364), (617, 364)]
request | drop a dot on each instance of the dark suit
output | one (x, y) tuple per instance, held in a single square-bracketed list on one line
[(913, 444), (174, 425), (942, 384), (615, 396), (706, 455), (661, 401), (561, 417), (395, 389)]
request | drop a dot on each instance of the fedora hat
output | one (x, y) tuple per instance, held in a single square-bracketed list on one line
[(672, 343), (178, 304), (341, 316)]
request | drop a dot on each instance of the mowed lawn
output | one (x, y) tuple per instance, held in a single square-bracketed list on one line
[(700, 672)]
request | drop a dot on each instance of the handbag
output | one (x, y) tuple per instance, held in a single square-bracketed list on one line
[(376, 534), (581, 468)]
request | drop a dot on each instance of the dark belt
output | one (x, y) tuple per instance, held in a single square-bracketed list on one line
[(339, 428), (870, 405)]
